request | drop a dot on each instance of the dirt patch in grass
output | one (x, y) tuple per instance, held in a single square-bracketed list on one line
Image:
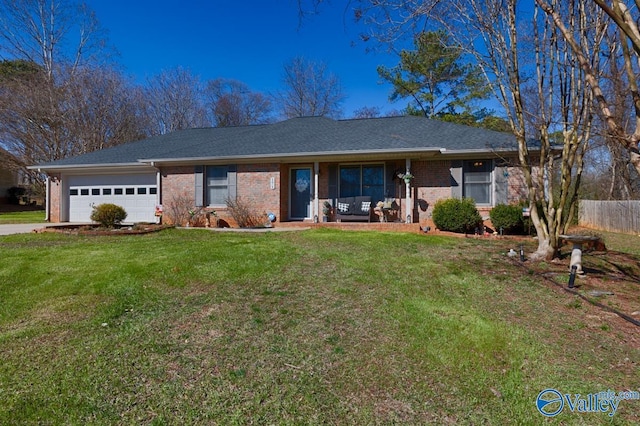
[(614, 293)]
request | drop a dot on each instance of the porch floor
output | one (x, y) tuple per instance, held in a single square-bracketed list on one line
[(356, 226)]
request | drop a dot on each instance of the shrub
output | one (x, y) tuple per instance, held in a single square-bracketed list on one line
[(108, 215), (244, 215), (508, 217), (180, 211), (456, 215)]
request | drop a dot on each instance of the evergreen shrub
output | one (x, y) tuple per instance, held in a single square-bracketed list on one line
[(108, 215), (456, 215)]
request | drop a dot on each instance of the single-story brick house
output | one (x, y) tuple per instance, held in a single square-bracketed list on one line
[(291, 167)]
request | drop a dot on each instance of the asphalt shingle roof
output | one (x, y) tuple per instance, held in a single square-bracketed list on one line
[(300, 136)]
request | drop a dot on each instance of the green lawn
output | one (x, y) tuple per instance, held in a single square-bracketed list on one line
[(31, 216), (312, 327)]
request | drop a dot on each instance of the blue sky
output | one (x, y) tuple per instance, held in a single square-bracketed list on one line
[(245, 40)]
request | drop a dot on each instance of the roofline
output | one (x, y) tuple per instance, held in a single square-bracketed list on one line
[(286, 157), (92, 167)]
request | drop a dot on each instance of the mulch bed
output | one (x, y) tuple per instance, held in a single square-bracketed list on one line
[(138, 229)]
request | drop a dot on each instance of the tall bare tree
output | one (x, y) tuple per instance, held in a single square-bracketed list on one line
[(43, 45), (50, 33), (104, 109), (310, 90), (89, 110), (175, 101), (232, 103), (623, 127)]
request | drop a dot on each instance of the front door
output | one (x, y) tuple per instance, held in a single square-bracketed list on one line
[(300, 200)]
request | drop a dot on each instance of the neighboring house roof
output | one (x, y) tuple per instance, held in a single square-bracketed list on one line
[(297, 138)]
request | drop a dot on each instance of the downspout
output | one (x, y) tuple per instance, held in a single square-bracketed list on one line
[(316, 201), (47, 197)]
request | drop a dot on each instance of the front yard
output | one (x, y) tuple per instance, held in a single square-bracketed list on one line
[(312, 327), (28, 216)]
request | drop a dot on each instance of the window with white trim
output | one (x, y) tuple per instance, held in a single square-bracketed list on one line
[(477, 181), (217, 185)]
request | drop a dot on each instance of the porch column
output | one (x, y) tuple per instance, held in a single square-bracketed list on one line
[(316, 201), (408, 201)]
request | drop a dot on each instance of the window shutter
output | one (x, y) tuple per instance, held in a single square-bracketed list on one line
[(501, 178), (199, 187), (232, 182), (456, 179)]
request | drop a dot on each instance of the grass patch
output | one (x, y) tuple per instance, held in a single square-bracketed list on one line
[(310, 327), (32, 216)]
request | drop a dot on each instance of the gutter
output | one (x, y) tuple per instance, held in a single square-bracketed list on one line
[(43, 168), (396, 151)]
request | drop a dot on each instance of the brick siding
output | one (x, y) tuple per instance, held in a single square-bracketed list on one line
[(55, 199)]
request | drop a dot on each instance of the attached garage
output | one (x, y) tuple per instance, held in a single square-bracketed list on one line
[(136, 193)]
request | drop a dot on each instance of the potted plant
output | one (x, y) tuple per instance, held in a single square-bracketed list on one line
[(404, 176), (326, 210)]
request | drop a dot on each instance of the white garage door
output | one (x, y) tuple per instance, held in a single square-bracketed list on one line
[(136, 193)]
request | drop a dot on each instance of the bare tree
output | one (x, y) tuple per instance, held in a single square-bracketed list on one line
[(90, 110), (310, 90), (623, 128), (43, 44), (367, 112), (232, 103), (50, 33), (175, 101), (103, 110)]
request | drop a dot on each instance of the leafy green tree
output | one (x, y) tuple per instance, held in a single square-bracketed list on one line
[(435, 77)]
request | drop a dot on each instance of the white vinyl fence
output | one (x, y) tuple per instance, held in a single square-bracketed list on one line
[(614, 216)]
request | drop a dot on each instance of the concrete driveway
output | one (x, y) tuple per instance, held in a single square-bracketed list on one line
[(21, 228)]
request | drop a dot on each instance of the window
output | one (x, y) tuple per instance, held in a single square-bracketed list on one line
[(217, 184), (84, 192), (362, 180), (117, 191), (153, 190), (477, 180), (73, 192), (142, 191), (106, 191), (95, 191), (130, 191)]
